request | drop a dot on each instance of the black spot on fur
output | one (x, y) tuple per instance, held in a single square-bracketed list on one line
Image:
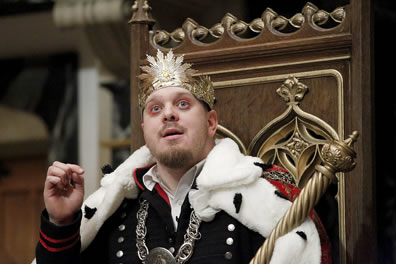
[(237, 202), (106, 169), (89, 212), (281, 195), (194, 185), (264, 166), (302, 235)]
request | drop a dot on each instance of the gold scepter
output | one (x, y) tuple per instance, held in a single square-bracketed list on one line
[(338, 156)]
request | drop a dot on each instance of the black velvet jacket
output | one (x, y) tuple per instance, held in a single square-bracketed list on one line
[(223, 240)]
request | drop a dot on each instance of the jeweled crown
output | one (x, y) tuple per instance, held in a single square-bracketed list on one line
[(166, 71)]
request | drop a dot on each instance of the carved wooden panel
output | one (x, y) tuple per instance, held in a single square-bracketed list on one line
[(259, 103)]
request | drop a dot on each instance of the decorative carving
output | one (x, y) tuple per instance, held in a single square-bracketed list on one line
[(292, 91), (339, 156), (294, 139), (279, 23), (297, 145), (321, 17), (257, 25), (228, 20), (141, 12), (161, 37), (217, 30), (311, 17), (297, 20), (200, 33), (338, 14), (239, 27)]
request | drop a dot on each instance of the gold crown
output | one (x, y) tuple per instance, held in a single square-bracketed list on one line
[(169, 70)]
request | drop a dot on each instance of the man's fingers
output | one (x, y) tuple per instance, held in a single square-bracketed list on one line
[(64, 171), (52, 180), (78, 181), (54, 183), (64, 177), (61, 165), (68, 167), (75, 168), (57, 171)]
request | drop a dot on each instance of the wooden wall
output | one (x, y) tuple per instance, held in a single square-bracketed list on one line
[(21, 203)]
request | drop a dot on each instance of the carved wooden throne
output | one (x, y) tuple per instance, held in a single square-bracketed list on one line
[(285, 87)]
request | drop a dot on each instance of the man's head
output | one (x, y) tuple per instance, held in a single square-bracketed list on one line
[(178, 125)]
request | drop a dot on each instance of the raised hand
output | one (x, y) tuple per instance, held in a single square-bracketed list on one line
[(63, 192)]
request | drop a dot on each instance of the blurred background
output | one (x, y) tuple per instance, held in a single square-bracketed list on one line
[(64, 76)]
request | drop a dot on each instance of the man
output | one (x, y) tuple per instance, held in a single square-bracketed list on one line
[(183, 198)]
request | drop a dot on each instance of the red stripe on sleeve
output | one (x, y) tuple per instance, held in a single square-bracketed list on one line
[(52, 249), (59, 240)]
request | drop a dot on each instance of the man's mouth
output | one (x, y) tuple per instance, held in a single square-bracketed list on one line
[(172, 132)]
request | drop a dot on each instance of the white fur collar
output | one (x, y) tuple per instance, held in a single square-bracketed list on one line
[(226, 172), (227, 167), (236, 169)]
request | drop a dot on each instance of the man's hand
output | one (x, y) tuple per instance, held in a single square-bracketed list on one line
[(63, 192)]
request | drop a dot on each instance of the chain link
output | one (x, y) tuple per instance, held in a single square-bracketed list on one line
[(141, 231), (186, 249), (192, 234)]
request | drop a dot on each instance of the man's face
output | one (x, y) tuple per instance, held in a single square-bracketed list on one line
[(177, 128)]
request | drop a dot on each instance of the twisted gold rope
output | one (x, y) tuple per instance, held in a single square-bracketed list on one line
[(337, 156), (294, 216)]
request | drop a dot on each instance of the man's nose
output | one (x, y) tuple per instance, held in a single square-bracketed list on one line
[(170, 114)]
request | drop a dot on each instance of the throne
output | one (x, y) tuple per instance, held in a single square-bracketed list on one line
[(285, 87)]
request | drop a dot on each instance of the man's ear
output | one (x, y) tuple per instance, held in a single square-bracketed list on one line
[(142, 126), (212, 122)]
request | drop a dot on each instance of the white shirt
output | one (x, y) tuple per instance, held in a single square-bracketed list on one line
[(176, 200)]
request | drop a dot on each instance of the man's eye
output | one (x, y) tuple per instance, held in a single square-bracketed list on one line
[(155, 109), (183, 104)]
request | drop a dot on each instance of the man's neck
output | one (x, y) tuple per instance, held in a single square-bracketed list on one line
[(171, 176)]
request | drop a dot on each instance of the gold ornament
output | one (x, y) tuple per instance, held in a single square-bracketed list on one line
[(169, 71)]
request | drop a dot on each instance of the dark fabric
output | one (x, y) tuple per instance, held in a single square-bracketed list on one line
[(58, 244), (119, 234)]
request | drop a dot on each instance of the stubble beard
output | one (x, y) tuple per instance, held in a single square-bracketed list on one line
[(175, 158)]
